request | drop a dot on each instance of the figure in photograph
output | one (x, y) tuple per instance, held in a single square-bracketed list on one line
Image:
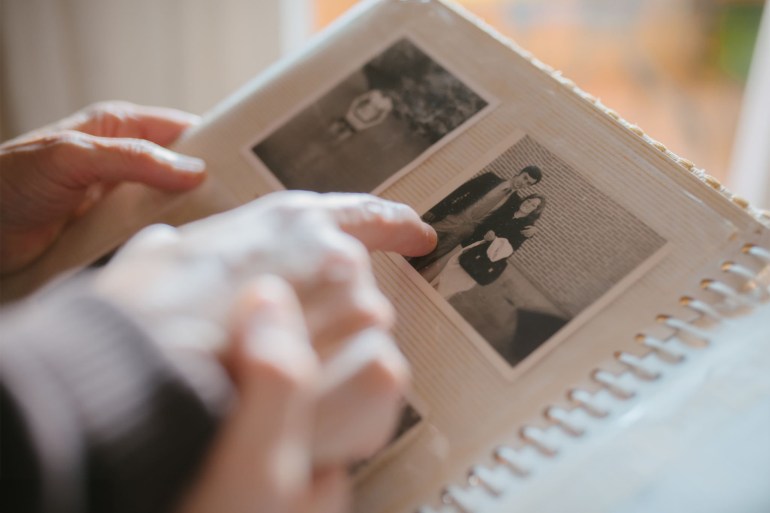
[(430, 99), (366, 111), (514, 294), (382, 118), (482, 260), (458, 216)]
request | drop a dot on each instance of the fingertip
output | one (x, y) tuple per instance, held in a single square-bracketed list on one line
[(253, 291), (179, 162), (416, 242), (384, 225), (420, 237), (182, 172), (266, 300), (148, 240), (429, 241)]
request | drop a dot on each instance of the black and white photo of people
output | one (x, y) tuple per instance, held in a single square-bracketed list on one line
[(526, 245)]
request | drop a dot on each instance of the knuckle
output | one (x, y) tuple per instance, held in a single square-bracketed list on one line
[(285, 376), (386, 314), (116, 109), (140, 148), (60, 139), (59, 147), (386, 373), (156, 235), (357, 251), (138, 152), (158, 242), (292, 200), (294, 211), (362, 210), (373, 310), (343, 259), (387, 376), (383, 214), (157, 230)]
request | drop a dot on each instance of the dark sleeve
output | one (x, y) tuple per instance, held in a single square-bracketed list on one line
[(96, 417), (515, 233), (462, 197), (501, 223)]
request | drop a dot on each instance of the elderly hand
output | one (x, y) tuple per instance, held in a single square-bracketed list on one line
[(181, 283), (298, 423), (54, 174)]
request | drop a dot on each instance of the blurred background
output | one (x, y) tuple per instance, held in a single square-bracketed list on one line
[(677, 68)]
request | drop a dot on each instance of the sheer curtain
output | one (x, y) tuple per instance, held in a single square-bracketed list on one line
[(59, 55), (750, 166)]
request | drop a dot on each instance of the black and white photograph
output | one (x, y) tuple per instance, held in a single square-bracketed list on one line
[(526, 245), (380, 120), (408, 419)]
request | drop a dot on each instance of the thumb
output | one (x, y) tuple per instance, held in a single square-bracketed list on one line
[(80, 159)]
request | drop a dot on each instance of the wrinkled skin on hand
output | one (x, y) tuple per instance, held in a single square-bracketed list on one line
[(57, 173), (182, 282), (298, 422), (317, 374)]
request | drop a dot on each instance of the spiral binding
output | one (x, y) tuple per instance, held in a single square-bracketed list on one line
[(742, 286)]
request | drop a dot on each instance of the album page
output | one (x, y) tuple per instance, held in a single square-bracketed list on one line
[(418, 104), (562, 232)]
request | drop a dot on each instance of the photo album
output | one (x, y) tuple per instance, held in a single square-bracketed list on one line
[(594, 323)]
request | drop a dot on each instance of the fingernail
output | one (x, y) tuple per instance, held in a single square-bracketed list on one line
[(430, 233), (181, 162), (187, 117)]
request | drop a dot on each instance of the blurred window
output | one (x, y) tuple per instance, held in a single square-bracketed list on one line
[(677, 68)]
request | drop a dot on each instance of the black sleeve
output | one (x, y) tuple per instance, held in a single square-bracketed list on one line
[(501, 223), (462, 197), (96, 417)]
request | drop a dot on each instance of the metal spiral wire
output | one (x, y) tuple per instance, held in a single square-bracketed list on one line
[(512, 465)]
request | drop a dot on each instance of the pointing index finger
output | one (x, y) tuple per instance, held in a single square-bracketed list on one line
[(382, 224)]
